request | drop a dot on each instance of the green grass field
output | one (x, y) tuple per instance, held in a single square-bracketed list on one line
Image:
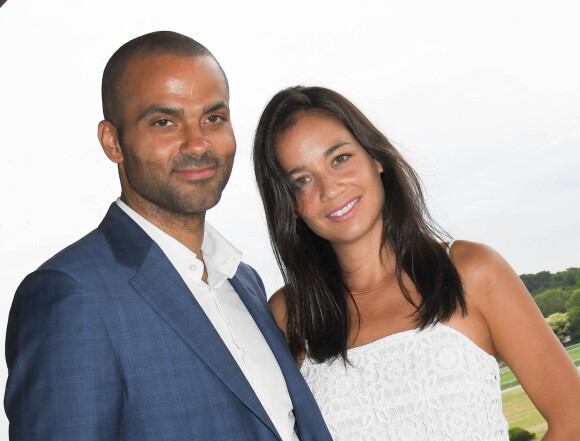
[(575, 354), (507, 378), (519, 410)]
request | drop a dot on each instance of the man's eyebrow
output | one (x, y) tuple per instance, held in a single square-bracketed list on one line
[(327, 153), (154, 110), (215, 107)]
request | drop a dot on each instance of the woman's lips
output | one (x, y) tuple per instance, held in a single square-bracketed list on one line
[(345, 212)]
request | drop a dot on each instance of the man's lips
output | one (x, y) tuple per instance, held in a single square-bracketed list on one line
[(345, 212), (196, 173)]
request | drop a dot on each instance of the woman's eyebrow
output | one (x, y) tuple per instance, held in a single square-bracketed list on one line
[(332, 149), (327, 153)]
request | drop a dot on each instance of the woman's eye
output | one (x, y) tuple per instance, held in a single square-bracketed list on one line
[(301, 181), (340, 159)]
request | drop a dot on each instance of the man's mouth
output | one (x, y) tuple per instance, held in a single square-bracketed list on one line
[(196, 173)]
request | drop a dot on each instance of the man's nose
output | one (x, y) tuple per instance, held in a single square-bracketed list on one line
[(194, 140)]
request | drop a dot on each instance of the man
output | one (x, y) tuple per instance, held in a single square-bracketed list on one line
[(150, 327)]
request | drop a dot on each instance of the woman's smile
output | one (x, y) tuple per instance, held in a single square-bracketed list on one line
[(338, 188), (346, 212)]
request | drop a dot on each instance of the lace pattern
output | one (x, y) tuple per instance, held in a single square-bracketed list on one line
[(434, 384)]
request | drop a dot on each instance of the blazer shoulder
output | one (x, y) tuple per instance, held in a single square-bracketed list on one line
[(118, 239), (252, 279), (83, 248)]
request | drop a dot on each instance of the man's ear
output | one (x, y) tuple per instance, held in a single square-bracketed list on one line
[(109, 139)]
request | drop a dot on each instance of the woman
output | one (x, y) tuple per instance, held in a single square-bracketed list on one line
[(396, 330)]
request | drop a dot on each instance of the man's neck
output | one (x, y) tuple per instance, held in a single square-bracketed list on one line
[(185, 228)]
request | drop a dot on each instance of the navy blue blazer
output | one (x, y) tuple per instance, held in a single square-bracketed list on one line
[(105, 342)]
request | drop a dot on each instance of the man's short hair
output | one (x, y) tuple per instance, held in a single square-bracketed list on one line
[(155, 43)]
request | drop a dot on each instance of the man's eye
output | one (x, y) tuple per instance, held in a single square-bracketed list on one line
[(214, 119), (163, 123)]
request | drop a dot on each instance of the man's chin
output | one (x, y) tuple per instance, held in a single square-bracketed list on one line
[(197, 206)]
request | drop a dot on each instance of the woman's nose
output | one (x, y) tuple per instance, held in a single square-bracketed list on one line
[(329, 187)]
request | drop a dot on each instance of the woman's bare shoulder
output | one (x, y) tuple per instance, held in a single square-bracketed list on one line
[(491, 286), (471, 253), (478, 263), (278, 306)]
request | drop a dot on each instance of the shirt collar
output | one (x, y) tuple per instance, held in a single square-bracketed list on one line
[(220, 256)]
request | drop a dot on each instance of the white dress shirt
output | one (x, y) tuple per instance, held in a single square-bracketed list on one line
[(228, 315)]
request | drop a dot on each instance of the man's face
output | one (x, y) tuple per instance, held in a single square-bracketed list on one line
[(177, 141)]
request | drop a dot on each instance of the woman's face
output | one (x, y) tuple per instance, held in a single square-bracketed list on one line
[(338, 187)]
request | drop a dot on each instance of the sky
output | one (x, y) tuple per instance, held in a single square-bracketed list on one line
[(483, 99)]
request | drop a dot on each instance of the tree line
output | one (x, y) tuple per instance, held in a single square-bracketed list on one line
[(558, 297)]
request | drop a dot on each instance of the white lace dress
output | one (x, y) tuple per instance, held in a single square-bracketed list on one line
[(434, 385)]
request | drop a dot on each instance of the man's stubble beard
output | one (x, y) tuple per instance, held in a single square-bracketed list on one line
[(166, 192)]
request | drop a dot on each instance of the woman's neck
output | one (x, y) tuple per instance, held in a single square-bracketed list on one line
[(365, 264)]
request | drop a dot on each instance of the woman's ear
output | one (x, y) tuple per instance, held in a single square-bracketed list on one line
[(379, 166), (109, 139)]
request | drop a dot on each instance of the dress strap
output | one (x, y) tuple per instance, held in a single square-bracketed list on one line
[(449, 245)]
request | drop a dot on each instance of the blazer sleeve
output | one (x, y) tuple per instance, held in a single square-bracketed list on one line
[(63, 382)]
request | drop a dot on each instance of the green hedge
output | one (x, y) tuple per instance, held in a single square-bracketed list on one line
[(519, 434)]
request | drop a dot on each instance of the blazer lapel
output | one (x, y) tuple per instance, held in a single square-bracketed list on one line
[(306, 410), (161, 286)]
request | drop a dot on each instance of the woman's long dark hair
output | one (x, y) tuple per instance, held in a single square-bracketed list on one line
[(316, 291)]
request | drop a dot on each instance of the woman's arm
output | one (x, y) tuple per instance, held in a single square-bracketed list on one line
[(520, 335)]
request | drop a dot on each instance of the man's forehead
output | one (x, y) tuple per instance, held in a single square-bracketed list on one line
[(161, 61), (144, 74)]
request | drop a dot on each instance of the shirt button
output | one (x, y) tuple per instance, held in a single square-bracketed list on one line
[(192, 267)]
